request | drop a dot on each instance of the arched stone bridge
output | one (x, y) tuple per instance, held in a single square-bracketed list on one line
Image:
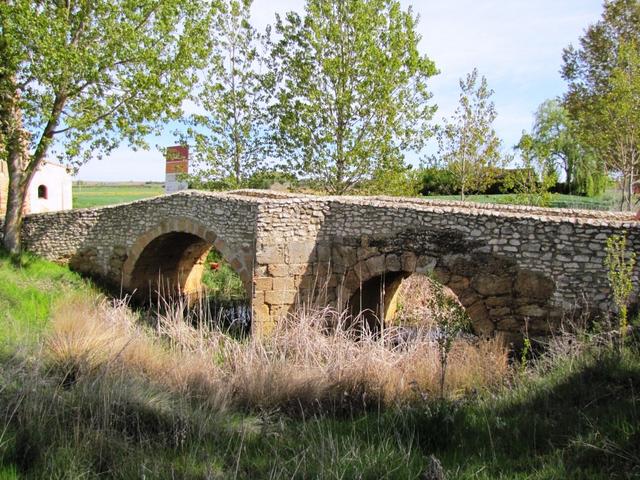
[(507, 265)]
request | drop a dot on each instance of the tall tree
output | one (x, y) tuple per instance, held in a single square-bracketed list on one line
[(229, 135), (351, 92), (467, 143), (596, 99), (618, 111), (77, 77), (554, 140)]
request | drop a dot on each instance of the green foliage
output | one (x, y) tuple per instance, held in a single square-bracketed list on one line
[(450, 319), (437, 181), (574, 417), (78, 78), (467, 144), (264, 179), (603, 94), (399, 181), (223, 283), (29, 288), (229, 135), (554, 143), (350, 92), (620, 264)]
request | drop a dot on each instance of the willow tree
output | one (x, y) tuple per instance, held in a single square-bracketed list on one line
[(351, 90), (78, 77)]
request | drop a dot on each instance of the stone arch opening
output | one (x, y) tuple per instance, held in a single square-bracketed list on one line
[(172, 263), (375, 300), (497, 296), (171, 259)]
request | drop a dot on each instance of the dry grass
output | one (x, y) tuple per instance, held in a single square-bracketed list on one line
[(310, 361)]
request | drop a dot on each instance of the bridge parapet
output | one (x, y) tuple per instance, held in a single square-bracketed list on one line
[(508, 265)]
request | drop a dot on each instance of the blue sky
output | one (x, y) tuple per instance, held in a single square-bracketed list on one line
[(516, 44)]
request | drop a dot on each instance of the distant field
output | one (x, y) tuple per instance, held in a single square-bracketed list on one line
[(97, 195)]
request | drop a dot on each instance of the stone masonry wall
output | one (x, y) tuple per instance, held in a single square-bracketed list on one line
[(509, 266), (99, 242)]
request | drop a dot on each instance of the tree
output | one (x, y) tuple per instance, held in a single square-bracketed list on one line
[(468, 144), (600, 96), (619, 112), (351, 90), (76, 78), (230, 135), (554, 143), (536, 174)]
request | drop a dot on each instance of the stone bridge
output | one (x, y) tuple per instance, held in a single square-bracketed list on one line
[(507, 265)]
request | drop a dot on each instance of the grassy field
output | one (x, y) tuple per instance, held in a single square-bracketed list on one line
[(606, 201), (94, 194), (89, 389), (98, 195)]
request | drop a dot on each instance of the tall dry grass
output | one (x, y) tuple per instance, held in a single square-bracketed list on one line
[(311, 361)]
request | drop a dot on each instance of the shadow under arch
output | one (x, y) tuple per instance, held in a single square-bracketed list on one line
[(170, 258), (496, 295)]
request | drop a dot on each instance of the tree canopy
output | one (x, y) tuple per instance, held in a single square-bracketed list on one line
[(229, 134), (78, 77), (467, 143), (602, 96), (350, 90)]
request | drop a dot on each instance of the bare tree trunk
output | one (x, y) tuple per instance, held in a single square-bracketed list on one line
[(15, 206), (17, 155)]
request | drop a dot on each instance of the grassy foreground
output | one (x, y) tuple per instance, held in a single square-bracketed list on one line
[(88, 390)]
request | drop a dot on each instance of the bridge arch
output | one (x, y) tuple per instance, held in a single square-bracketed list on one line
[(170, 257), (496, 294)]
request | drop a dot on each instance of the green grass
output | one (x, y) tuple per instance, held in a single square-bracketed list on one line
[(223, 283), (95, 195), (605, 201), (570, 417), (29, 288)]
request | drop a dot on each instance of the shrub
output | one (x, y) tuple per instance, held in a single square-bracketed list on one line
[(438, 181)]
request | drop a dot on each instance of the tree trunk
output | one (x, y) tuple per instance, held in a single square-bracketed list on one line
[(17, 154), (15, 211)]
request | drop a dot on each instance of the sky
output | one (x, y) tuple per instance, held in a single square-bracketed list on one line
[(516, 44)]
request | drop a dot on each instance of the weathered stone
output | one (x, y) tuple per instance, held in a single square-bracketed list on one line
[(491, 285), (532, 311), (278, 270), (283, 283), (534, 261), (510, 324), (425, 264), (281, 297), (270, 254), (393, 263), (409, 261), (458, 283), (263, 283), (480, 319), (376, 265), (534, 285)]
